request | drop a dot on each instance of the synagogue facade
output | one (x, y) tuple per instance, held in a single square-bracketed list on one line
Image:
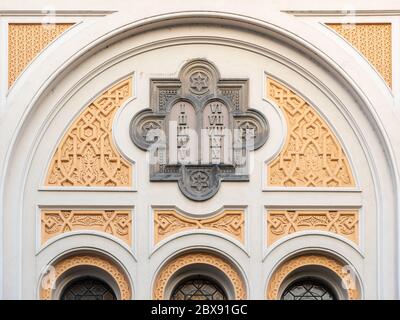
[(186, 150)]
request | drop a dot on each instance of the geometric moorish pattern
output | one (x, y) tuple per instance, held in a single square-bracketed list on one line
[(189, 259), (115, 222), (288, 267), (374, 41), (26, 41), (281, 223), (312, 156), (169, 222), (86, 156), (50, 279)]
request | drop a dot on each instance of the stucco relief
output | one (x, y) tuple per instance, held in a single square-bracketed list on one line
[(49, 281), (187, 259), (169, 222), (287, 267), (312, 155), (86, 156), (115, 222), (281, 223), (26, 41), (374, 41)]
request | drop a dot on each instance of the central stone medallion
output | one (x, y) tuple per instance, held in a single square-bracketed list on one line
[(199, 130)]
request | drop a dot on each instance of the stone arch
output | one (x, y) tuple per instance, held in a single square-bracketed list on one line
[(168, 270), (48, 281), (284, 270)]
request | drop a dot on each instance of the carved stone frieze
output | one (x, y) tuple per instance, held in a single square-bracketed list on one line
[(26, 41), (49, 280)]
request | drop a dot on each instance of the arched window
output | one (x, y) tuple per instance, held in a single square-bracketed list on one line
[(88, 288), (199, 288), (308, 289)]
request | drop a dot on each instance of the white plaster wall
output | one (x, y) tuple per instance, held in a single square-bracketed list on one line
[(237, 53)]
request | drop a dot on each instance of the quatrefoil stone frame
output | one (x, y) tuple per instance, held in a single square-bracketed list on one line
[(201, 101)]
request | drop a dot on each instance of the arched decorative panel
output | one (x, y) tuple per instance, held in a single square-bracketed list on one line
[(168, 222), (287, 267), (187, 259), (71, 187), (86, 156), (374, 41), (26, 41)]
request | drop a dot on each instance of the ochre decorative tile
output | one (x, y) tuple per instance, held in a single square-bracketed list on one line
[(115, 222), (281, 223), (26, 41), (374, 41), (86, 156), (169, 222), (312, 155)]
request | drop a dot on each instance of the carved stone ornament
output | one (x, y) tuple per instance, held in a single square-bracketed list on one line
[(349, 281), (115, 222), (53, 273), (199, 130), (195, 258), (169, 221)]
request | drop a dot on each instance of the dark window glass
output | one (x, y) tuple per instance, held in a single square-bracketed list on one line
[(88, 288), (198, 289), (308, 289)]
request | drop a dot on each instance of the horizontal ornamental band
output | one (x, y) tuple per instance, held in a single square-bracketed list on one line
[(86, 155), (169, 222)]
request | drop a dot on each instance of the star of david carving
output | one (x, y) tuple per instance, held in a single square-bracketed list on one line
[(199, 130), (198, 82)]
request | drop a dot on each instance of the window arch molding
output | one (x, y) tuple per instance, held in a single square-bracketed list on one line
[(76, 273), (200, 270), (15, 207), (337, 274), (320, 274), (194, 263)]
